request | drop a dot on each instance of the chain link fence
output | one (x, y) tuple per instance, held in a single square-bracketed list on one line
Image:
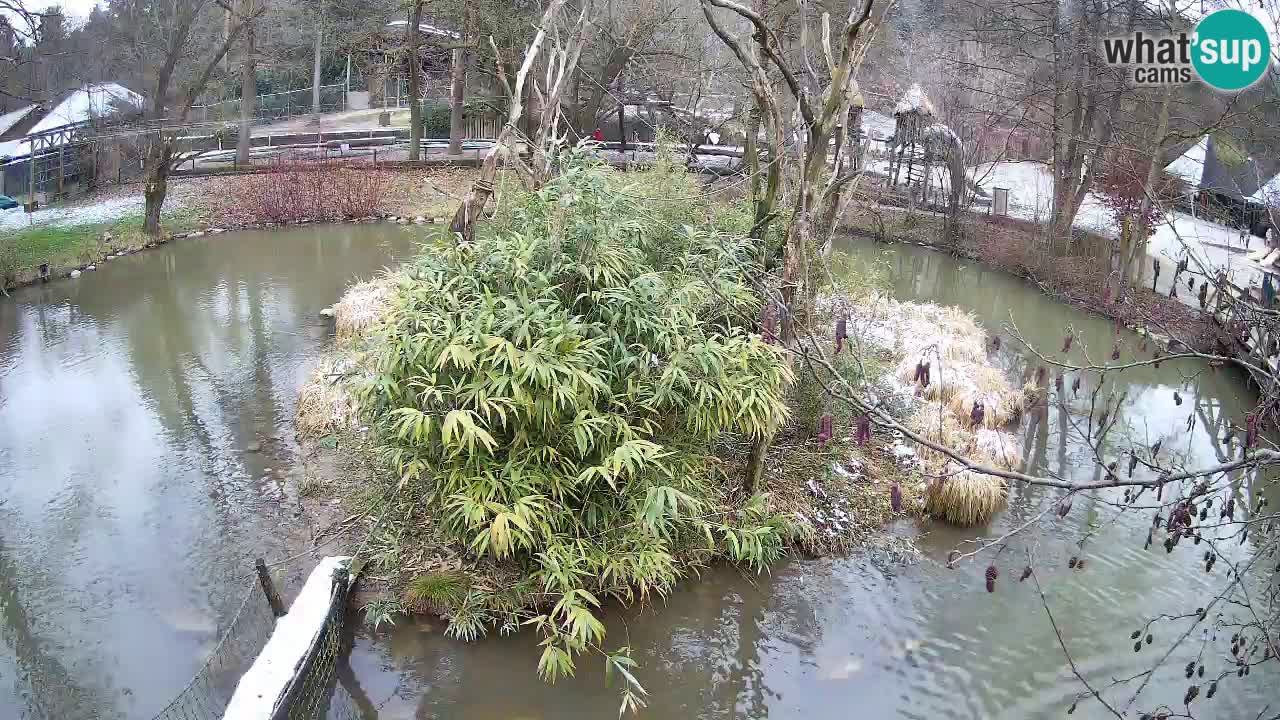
[(207, 695), (275, 106), (314, 692), (309, 694)]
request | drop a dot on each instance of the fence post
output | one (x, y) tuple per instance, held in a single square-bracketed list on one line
[(269, 588)]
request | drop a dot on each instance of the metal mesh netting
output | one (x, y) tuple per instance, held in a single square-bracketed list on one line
[(209, 692), (311, 692)]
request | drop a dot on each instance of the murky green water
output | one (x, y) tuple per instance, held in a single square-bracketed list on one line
[(130, 507), (851, 638)]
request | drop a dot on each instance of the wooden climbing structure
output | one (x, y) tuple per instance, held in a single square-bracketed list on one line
[(912, 115)]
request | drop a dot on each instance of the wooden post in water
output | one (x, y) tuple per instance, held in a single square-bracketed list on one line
[(269, 588)]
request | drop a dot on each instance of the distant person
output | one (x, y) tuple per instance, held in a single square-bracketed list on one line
[(598, 135)]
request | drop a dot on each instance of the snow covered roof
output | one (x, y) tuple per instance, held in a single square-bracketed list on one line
[(914, 101), (1268, 193), (1189, 166), (88, 102), (426, 28), (9, 119)]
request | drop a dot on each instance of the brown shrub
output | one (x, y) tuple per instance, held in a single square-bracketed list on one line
[(318, 190)]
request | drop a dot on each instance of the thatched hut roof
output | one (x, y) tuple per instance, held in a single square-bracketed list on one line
[(914, 101)]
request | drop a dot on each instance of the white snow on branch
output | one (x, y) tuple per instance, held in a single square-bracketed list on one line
[(426, 28)]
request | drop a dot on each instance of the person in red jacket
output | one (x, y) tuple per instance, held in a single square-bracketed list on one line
[(598, 135)]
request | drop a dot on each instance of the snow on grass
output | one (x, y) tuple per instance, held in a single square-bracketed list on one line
[(267, 679), (1030, 186), (103, 211), (1208, 243), (878, 126)]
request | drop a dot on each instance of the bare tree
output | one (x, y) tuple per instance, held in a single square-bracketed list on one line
[(566, 37), (248, 79), (458, 88), (163, 40), (315, 63)]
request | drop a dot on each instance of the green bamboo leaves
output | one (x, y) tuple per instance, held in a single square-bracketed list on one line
[(552, 393)]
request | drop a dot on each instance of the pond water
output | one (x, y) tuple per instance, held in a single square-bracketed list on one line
[(132, 502)]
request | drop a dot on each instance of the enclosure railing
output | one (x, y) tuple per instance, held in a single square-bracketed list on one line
[(276, 106), (313, 690)]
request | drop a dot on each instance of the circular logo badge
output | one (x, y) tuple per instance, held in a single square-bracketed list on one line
[(1232, 49)]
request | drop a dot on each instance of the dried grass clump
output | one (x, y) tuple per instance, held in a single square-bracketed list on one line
[(964, 498), (984, 445), (361, 307), (994, 447), (986, 384), (325, 403), (960, 373)]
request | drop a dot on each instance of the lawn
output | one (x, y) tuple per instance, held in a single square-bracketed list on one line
[(67, 247)]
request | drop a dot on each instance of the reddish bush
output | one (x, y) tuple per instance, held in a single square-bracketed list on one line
[(1122, 187), (295, 191)]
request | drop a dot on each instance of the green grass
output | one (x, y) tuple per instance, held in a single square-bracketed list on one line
[(67, 247)]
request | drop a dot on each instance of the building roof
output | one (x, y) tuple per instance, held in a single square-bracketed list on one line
[(1269, 193), (1214, 165), (91, 101), (914, 101), (1189, 166), (1227, 174), (9, 119)]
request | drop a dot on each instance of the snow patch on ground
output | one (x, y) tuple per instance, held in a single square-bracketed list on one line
[(878, 126), (266, 680), (99, 212), (1209, 243), (1216, 246), (1030, 186)]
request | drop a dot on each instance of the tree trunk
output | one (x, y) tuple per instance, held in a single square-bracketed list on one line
[(248, 90), (159, 155), (458, 81), (315, 72), (1141, 229), (413, 29), (755, 466)]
